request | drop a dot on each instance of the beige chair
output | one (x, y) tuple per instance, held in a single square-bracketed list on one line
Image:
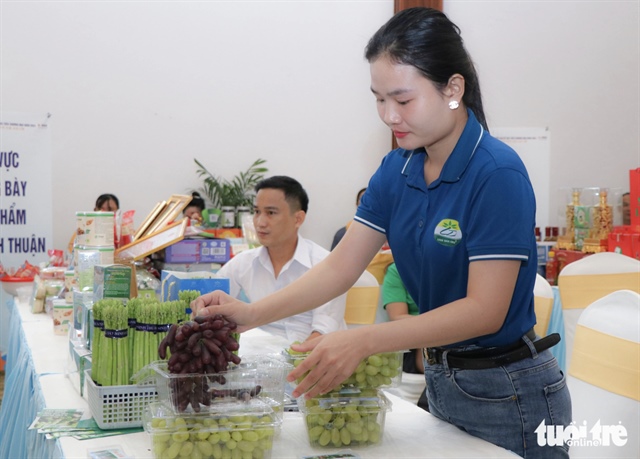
[(378, 266), (362, 301), (604, 377), (543, 304), (589, 279)]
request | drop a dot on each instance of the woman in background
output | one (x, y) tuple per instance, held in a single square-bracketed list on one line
[(107, 203), (195, 207)]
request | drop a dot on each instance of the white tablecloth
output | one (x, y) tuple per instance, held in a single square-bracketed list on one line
[(39, 358)]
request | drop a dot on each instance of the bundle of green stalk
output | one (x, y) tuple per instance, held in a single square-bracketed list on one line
[(152, 321), (146, 323), (98, 338), (110, 360), (188, 296)]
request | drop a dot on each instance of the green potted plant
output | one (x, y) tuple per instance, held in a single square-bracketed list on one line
[(237, 192)]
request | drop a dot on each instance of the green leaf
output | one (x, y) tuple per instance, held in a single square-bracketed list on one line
[(236, 192)]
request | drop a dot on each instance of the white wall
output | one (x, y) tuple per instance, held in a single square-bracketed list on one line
[(138, 89), (571, 66)]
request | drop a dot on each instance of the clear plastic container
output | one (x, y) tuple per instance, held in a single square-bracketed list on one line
[(376, 371), (259, 377), (345, 418), (249, 432)]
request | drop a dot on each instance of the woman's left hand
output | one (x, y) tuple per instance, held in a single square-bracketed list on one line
[(333, 359)]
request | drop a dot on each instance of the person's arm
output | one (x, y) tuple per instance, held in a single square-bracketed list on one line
[(338, 237), (398, 311), (328, 279), (481, 312)]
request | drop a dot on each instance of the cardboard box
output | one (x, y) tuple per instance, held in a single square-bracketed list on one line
[(192, 267), (195, 251), (111, 281), (205, 282), (185, 251), (624, 240), (62, 317), (565, 257), (79, 361), (228, 232), (215, 251)]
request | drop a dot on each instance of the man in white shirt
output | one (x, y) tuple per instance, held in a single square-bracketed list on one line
[(280, 209)]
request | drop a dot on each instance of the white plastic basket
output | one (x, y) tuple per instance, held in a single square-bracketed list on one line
[(119, 407)]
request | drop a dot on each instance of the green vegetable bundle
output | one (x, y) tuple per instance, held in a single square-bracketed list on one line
[(127, 336)]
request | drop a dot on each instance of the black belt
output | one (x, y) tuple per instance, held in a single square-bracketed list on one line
[(479, 359)]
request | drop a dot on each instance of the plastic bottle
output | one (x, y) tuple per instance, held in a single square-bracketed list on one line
[(551, 271)]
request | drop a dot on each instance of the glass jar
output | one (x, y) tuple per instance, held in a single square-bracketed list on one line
[(228, 216)]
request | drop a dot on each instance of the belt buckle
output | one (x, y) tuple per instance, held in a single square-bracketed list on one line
[(430, 355)]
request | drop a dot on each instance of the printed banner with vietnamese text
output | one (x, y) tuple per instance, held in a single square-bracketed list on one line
[(25, 189)]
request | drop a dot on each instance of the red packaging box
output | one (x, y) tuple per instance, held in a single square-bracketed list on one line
[(565, 257), (625, 240), (634, 197)]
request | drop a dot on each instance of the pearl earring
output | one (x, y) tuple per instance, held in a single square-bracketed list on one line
[(454, 104)]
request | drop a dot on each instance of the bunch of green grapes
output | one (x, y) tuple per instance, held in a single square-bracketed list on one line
[(377, 370), (223, 437), (347, 422)]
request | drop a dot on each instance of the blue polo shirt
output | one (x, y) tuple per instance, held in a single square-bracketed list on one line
[(482, 207)]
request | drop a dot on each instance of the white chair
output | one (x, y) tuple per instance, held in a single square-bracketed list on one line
[(604, 376), (543, 304), (362, 301), (584, 281)]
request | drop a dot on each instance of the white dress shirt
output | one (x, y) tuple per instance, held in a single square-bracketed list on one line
[(251, 272)]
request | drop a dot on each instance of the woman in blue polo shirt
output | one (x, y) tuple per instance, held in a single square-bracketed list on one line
[(458, 210)]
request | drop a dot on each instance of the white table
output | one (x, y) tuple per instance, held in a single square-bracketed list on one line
[(410, 432)]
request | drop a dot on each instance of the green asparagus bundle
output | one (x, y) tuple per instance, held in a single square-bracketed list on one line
[(188, 296), (133, 305), (115, 352), (127, 336), (96, 344)]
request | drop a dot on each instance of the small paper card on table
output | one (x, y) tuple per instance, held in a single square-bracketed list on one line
[(109, 452), (49, 420)]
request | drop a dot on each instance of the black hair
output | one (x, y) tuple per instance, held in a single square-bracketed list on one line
[(196, 201), (426, 39), (359, 195), (294, 194), (106, 197)]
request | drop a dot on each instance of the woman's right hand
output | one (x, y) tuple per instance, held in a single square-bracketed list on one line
[(219, 302), (332, 359)]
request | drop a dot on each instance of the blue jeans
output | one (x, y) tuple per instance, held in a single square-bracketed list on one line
[(504, 405)]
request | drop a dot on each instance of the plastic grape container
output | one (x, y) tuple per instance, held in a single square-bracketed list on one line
[(261, 377), (347, 418), (247, 433), (375, 372)]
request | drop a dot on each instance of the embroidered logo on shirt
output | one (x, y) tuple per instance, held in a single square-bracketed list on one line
[(448, 233)]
